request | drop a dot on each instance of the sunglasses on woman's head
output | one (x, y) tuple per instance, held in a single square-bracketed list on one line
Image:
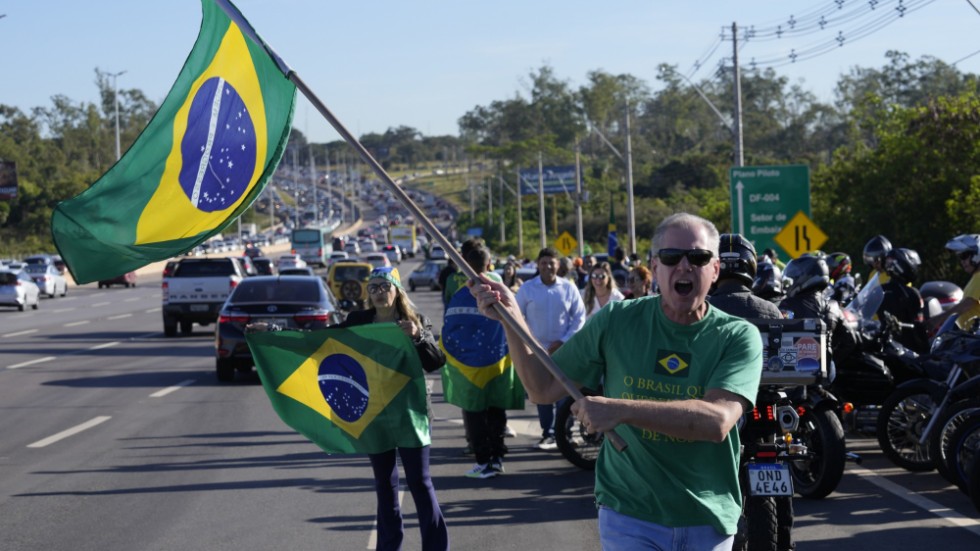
[(672, 257)]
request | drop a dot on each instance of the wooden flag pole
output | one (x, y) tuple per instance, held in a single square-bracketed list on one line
[(431, 228)]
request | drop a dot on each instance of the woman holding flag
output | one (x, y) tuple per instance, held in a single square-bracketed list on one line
[(390, 304)]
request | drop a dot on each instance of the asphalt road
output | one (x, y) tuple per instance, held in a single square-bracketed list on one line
[(116, 438)]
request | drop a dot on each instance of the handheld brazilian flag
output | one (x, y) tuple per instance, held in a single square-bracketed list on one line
[(353, 390), (199, 164), (478, 373)]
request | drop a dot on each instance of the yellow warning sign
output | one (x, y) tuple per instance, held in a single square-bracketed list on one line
[(800, 236), (566, 244)]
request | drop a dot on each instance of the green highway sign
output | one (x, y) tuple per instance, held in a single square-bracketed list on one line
[(765, 198)]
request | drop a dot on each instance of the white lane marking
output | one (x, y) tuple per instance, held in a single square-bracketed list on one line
[(70, 432), (941, 511), (134, 299), (169, 389), (19, 333), (60, 310), (101, 304), (32, 362), (119, 317), (372, 542), (151, 310), (74, 323), (105, 345)]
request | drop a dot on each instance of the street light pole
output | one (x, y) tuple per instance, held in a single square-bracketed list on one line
[(115, 95)]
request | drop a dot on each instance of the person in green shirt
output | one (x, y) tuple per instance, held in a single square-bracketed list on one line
[(676, 375)]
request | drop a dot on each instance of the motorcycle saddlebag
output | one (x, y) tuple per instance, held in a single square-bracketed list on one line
[(794, 352)]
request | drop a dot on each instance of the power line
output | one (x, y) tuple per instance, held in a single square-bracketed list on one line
[(851, 19)]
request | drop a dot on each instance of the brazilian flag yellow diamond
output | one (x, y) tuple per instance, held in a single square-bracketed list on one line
[(344, 386), (673, 364)]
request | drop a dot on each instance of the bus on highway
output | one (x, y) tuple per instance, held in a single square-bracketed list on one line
[(313, 244)]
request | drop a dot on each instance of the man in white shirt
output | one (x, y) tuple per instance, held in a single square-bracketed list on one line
[(554, 311)]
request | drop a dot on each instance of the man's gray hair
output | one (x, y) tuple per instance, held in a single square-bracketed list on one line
[(686, 220)]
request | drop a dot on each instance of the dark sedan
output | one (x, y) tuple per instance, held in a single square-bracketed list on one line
[(291, 302)]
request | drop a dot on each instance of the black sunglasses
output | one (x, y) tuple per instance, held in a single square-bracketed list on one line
[(383, 287), (965, 255), (672, 257)]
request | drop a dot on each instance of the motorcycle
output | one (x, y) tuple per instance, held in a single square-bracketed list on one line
[(577, 445), (917, 418), (866, 378), (765, 477), (964, 457)]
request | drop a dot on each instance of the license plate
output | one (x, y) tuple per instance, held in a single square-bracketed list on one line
[(281, 322), (199, 307), (770, 479)]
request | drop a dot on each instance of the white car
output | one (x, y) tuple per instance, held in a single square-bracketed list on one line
[(290, 261), (378, 260), (18, 289), (393, 252), (337, 255), (48, 279), (436, 252)]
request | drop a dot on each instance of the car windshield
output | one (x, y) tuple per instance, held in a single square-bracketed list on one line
[(8, 278), (343, 273), (36, 269), (275, 290), (306, 236)]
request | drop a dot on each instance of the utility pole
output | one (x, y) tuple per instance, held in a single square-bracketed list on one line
[(578, 200), (115, 98), (736, 76), (520, 215), (503, 235), (329, 182), (295, 189), (316, 205), (541, 222), (489, 182), (629, 183)]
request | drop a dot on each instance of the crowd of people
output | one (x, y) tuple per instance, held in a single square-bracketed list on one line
[(667, 342)]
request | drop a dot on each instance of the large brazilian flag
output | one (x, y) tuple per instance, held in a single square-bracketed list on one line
[(199, 164), (354, 390), (478, 373)]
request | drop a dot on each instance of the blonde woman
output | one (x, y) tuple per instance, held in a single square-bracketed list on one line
[(600, 290), (388, 302)]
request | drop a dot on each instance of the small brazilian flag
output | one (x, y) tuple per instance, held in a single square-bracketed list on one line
[(354, 390), (199, 164), (478, 373)]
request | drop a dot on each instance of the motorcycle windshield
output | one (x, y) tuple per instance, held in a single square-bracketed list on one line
[(865, 305)]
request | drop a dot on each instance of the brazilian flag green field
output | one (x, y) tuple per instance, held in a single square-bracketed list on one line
[(353, 390), (199, 164)]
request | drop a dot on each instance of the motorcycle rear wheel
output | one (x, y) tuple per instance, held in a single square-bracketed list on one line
[(939, 440), (575, 443), (823, 435), (964, 450), (975, 484), (757, 527), (902, 418)]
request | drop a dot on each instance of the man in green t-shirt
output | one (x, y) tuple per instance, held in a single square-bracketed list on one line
[(676, 374)]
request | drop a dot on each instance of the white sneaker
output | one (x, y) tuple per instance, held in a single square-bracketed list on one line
[(547, 443), (509, 432)]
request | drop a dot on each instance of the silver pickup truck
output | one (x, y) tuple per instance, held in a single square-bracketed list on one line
[(195, 291)]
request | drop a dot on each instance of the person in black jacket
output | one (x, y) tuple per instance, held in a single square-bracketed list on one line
[(390, 304), (733, 295), (904, 301), (804, 281)]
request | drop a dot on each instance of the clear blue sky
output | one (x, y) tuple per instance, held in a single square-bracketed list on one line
[(424, 63)]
